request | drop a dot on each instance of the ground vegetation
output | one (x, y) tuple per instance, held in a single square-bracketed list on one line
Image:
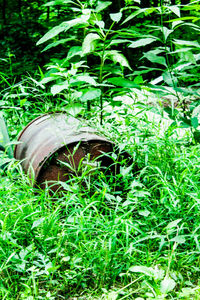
[(130, 70)]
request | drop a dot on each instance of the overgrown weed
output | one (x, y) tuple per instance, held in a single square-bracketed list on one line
[(96, 237)]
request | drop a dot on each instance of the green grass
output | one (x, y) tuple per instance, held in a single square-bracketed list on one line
[(135, 234)]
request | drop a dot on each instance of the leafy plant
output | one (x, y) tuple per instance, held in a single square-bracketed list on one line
[(175, 59), (75, 72)]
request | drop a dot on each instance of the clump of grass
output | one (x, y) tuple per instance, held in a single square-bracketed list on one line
[(128, 235)]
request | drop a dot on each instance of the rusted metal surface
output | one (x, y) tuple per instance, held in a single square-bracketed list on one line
[(53, 170), (54, 138)]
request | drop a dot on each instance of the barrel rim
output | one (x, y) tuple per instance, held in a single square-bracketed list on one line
[(34, 120)]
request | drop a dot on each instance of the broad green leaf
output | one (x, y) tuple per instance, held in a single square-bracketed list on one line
[(89, 43), (133, 15), (74, 109), (142, 194), (192, 6), (176, 23), (53, 32), (143, 269), (186, 43), (125, 171), (173, 224), (136, 184), (127, 203), (192, 18), (47, 79), (196, 111), (112, 295), (185, 49), (91, 94), (74, 51), (101, 5), (167, 285), (37, 223), (63, 27), (175, 9), (169, 78), (144, 213), (119, 41), (57, 2), (155, 59), (118, 81), (142, 42), (4, 137), (188, 56), (83, 78), (100, 24), (117, 57), (57, 88), (178, 239), (116, 17), (138, 80), (166, 32), (55, 44), (195, 117)]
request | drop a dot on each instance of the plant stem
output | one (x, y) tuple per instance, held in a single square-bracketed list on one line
[(100, 81), (101, 71), (169, 69)]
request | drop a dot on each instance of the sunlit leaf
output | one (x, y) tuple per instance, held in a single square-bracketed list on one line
[(74, 109), (4, 137), (133, 15), (144, 213), (123, 82), (89, 43), (91, 94), (143, 269), (187, 43), (57, 43), (57, 88), (167, 285), (195, 117), (101, 5), (100, 24), (169, 78), (166, 32), (53, 32), (119, 41), (116, 17), (74, 51), (83, 78), (173, 224), (117, 57), (142, 42), (37, 223), (155, 58), (57, 2), (63, 27), (178, 239), (175, 9)]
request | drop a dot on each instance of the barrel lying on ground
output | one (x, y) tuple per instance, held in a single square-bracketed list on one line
[(54, 138)]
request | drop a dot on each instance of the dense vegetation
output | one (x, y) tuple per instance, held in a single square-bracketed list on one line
[(131, 70)]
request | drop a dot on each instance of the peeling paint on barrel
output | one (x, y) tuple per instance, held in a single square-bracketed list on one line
[(56, 137)]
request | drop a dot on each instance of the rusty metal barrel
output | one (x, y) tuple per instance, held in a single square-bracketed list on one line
[(52, 146)]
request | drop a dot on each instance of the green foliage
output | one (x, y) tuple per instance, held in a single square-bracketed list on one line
[(132, 234), (171, 57), (96, 41)]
